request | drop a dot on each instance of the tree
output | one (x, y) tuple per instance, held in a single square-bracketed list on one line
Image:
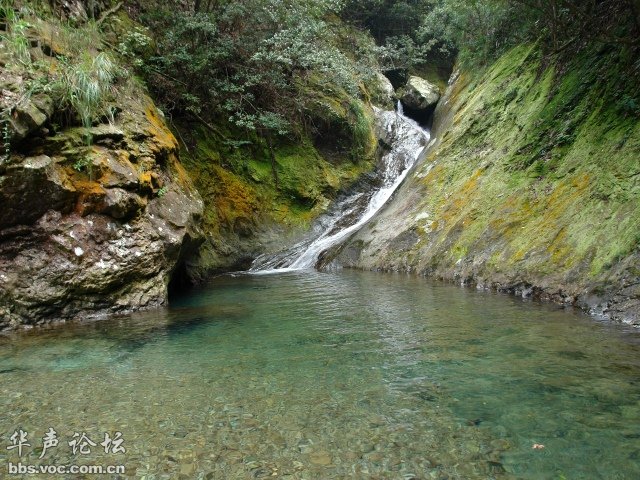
[(246, 60)]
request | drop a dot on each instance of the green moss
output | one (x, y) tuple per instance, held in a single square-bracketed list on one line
[(341, 126), (437, 73), (247, 186), (539, 172)]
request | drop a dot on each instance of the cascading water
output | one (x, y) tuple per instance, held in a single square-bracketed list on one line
[(406, 140)]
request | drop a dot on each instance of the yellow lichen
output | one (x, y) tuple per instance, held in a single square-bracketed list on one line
[(158, 130)]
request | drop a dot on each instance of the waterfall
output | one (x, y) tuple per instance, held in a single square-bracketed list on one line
[(405, 140)]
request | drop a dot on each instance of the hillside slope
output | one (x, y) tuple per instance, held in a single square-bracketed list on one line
[(533, 187)]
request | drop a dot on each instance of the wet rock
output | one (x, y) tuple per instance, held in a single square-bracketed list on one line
[(375, 457), (383, 93), (367, 447), (106, 133), (8, 320), (419, 94), (304, 446), (320, 458), (406, 240)]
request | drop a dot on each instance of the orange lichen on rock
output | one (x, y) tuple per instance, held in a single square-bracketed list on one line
[(164, 139), (235, 199), (91, 194)]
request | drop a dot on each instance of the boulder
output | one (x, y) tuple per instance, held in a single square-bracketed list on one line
[(419, 94), (121, 205), (31, 187), (29, 116), (382, 92)]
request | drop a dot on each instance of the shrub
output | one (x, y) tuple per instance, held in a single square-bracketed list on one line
[(247, 62)]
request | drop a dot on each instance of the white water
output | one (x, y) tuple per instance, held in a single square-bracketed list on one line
[(407, 140)]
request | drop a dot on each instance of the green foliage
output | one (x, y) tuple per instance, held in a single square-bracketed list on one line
[(483, 29), (84, 164), (417, 32), (248, 62), (14, 39), (84, 86), (404, 52), (386, 19), (479, 30), (134, 46), (78, 78), (395, 25)]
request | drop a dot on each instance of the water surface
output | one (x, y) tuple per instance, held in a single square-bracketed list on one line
[(308, 375)]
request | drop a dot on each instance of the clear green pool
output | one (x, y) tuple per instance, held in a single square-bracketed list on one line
[(334, 376)]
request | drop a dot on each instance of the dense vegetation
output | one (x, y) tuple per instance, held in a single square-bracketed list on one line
[(252, 62), (78, 75), (417, 31)]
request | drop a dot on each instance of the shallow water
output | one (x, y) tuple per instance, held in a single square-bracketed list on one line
[(332, 376)]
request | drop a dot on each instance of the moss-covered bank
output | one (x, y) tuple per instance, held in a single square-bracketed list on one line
[(120, 158), (258, 196), (533, 186)]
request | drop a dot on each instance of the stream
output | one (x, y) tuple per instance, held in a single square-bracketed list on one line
[(311, 375), (405, 141)]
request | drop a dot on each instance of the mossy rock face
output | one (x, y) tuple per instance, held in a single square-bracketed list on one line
[(381, 91), (29, 116), (258, 198), (533, 181), (341, 126)]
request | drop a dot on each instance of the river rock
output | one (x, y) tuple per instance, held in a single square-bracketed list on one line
[(382, 92), (320, 458), (419, 94)]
